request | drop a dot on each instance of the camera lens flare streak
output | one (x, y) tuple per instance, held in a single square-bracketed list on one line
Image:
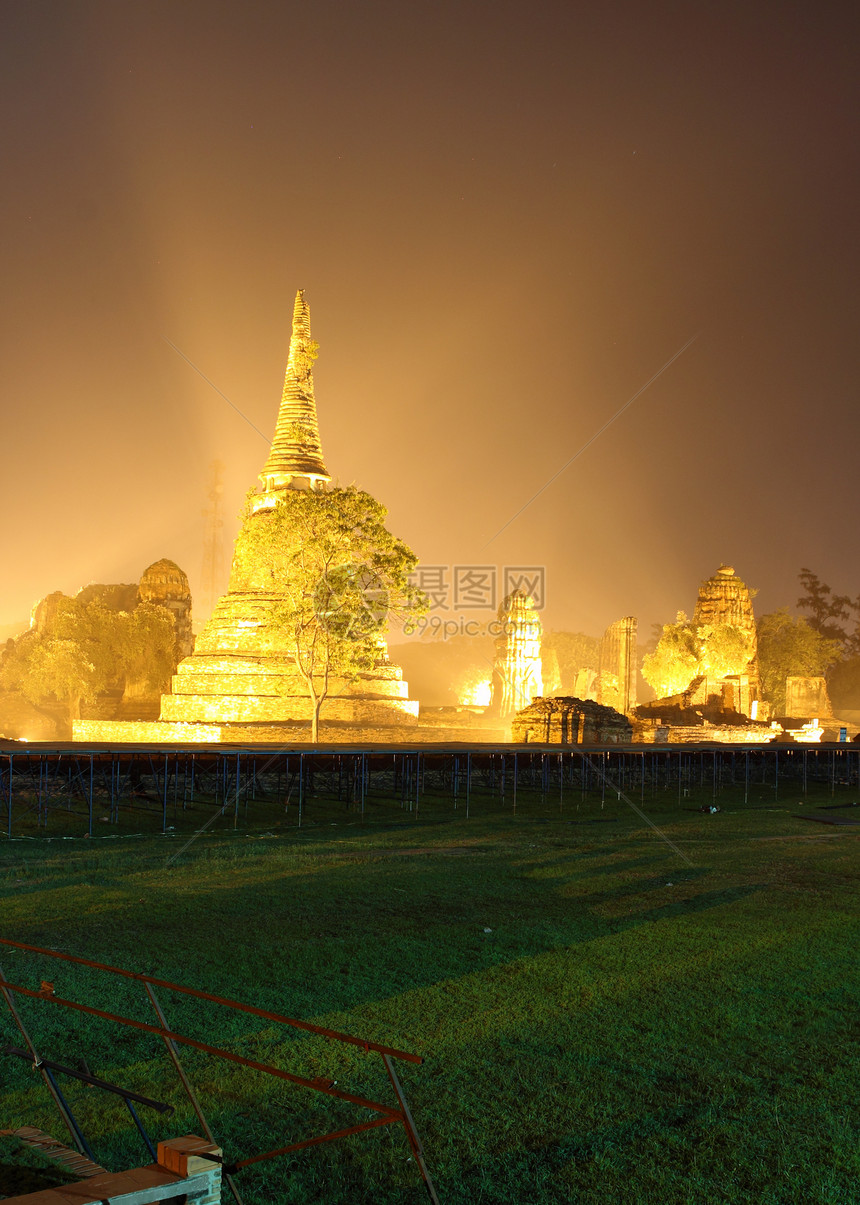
[(595, 436)]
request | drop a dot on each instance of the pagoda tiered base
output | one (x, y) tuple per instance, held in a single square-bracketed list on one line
[(243, 689)]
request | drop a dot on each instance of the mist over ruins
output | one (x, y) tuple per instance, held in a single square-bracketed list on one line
[(298, 648)]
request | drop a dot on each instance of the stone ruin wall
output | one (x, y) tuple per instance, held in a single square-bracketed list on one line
[(648, 732), (159, 732), (570, 721), (807, 698)]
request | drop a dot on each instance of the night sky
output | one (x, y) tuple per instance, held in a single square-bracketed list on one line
[(506, 219)]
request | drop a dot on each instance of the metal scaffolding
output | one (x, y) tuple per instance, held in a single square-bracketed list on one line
[(41, 784)]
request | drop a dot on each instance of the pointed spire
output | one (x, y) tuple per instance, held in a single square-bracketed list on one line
[(296, 457)]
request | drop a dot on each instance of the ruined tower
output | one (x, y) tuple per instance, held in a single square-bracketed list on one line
[(165, 584), (724, 601), (517, 668), (616, 682)]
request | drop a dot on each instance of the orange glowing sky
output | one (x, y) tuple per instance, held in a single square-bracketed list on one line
[(506, 218)]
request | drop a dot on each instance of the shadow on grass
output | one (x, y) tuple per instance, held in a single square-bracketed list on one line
[(307, 939), (19, 1178), (557, 1060)]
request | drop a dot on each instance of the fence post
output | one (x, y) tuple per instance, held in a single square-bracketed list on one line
[(186, 1083)]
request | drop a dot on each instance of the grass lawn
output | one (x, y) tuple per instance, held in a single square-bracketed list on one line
[(601, 1019)]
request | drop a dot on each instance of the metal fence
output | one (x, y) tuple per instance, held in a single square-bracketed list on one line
[(386, 1112), (164, 786)]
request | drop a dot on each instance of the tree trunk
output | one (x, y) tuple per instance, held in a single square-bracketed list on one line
[(74, 714), (315, 719)]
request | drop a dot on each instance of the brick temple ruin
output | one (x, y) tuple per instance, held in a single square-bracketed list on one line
[(724, 599), (569, 721), (162, 584), (723, 707), (165, 585), (241, 682)]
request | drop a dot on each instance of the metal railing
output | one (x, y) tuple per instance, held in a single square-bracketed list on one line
[(390, 1114)]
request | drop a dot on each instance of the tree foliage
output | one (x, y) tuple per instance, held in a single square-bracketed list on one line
[(828, 612), (685, 651), (843, 683), (790, 647), (674, 662), (723, 649), (836, 617), (71, 661), (144, 645), (87, 648), (339, 576)]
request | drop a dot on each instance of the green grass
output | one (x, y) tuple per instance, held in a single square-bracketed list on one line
[(600, 1021)]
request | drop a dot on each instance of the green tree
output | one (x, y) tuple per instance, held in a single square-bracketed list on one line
[(144, 645), (827, 611), (789, 647), (683, 652), (829, 615), (73, 661), (87, 648), (339, 576), (723, 649), (675, 661)]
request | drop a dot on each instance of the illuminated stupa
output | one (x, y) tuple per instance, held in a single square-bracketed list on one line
[(241, 682), (296, 458)]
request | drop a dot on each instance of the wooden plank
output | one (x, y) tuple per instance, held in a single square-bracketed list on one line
[(39, 1141)]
